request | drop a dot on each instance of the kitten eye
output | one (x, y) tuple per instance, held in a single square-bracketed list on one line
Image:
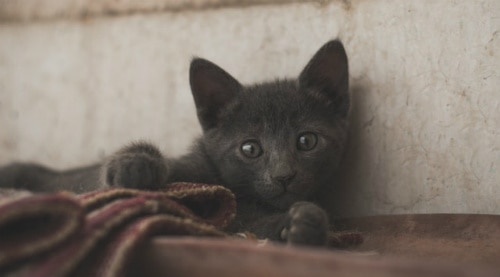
[(251, 149), (307, 141)]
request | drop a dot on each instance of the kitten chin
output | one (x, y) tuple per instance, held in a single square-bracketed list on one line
[(284, 201)]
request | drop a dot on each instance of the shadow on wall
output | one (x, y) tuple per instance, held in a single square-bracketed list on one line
[(343, 196)]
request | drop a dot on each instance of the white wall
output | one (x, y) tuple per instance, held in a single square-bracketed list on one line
[(425, 87)]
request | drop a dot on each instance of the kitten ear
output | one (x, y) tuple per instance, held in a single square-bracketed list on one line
[(327, 76), (212, 88)]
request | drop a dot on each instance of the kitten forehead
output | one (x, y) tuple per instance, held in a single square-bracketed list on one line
[(277, 112), (268, 106), (280, 103)]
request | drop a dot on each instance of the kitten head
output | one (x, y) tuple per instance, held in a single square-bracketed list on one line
[(279, 141)]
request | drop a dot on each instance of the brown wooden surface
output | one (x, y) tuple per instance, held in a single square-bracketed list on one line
[(449, 237), (398, 245)]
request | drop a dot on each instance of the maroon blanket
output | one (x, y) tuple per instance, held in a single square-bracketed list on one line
[(95, 234)]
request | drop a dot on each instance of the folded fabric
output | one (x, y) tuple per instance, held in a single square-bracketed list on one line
[(95, 234)]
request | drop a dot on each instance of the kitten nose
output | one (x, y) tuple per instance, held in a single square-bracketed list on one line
[(285, 179)]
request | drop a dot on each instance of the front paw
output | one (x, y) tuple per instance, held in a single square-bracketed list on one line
[(140, 165), (306, 224)]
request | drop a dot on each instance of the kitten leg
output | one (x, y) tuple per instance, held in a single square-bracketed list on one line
[(28, 176), (140, 165), (38, 178), (306, 223)]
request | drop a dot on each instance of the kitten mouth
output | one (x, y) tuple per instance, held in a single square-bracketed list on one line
[(279, 196)]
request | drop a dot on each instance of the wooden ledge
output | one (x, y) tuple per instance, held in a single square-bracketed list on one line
[(396, 245), (193, 257)]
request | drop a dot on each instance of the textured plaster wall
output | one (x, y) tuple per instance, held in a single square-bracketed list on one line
[(425, 133)]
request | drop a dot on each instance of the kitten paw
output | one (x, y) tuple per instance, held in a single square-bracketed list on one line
[(140, 166), (306, 224)]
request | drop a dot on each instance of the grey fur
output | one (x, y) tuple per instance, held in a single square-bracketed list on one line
[(274, 144)]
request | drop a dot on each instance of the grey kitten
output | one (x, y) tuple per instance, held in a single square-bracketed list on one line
[(274, 144)]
